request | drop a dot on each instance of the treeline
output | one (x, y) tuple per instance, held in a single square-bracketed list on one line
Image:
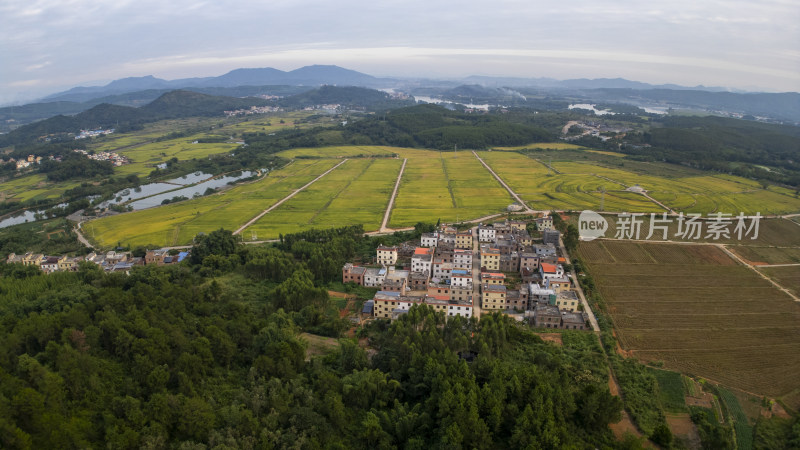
[(421, 126), (722, 144), (170, 357)]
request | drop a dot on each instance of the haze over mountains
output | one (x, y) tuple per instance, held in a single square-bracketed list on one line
[(139, 91)]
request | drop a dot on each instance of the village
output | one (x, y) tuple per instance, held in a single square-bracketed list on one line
[(112, 261), (486, 269)]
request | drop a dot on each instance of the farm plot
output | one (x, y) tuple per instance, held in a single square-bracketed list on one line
[(788, 277), (178, 223), (34, 187), (699, 312), (771, 231), (476, 191), (144, 157), (344, 151), (424, 194), (325, 203), (767, 255)]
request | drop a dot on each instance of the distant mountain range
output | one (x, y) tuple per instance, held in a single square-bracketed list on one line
[(139, 91), (305, 76)]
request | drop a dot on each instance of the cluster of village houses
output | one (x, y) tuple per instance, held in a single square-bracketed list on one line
[(504, 270), (116, 159), (110, 262), (92, 133), (23, 163)]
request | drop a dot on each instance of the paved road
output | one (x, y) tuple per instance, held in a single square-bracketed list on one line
[(263, 213), (391, 200), (510, 191)]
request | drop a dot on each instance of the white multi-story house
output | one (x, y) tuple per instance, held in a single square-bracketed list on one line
[(461, 278), (462, 259), (374, 277), (422, 260), (486, 234), (429, 239)]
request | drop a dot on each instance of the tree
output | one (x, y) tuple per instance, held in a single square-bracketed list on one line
[(220, 242)]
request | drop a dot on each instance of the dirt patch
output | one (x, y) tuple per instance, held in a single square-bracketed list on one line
[(339, 294), (347, 308), (705, 400), (684, 430), (318, 345), (778, 411), (551, 337)]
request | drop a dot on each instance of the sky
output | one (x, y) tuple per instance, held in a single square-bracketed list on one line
[(47, 46)]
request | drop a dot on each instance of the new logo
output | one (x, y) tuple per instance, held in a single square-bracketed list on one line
[(591, 225)]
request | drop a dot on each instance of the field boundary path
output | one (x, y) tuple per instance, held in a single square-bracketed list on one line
[(389, 207), (510, 191), (283, 200), (754, 269)]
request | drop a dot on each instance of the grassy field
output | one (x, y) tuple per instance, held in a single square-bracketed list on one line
[(671, 389), (699, 312), (178, 223), (358, 191)]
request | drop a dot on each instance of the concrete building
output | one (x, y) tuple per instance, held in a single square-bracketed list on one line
[(353, 274), (573, 321), (544, 223), (418, 281), (546, 316), (551, 237), (442, 270), (386, 256), (567, 300), (543, 250), (461, 278), (462, 294), (490, 258), (373, 277), (462, 259), (486, 234), (493, 297), (464, 240), (422, 260), (493, 278), (429, 239)]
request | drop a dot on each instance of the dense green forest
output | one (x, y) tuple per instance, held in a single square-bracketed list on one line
[(208, 353)]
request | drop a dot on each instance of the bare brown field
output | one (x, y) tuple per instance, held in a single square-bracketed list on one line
[(700, 312), (772, 232), (788, 277), (767, 255)]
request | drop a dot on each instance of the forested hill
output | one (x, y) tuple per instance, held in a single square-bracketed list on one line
[(722, 144), (420, 126), (208, 353), (172, 104)]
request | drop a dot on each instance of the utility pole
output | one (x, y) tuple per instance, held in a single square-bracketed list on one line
[(602, 197)]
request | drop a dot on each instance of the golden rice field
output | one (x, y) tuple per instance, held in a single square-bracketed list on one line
[(358, 191), (447, 186), (178, 223)]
